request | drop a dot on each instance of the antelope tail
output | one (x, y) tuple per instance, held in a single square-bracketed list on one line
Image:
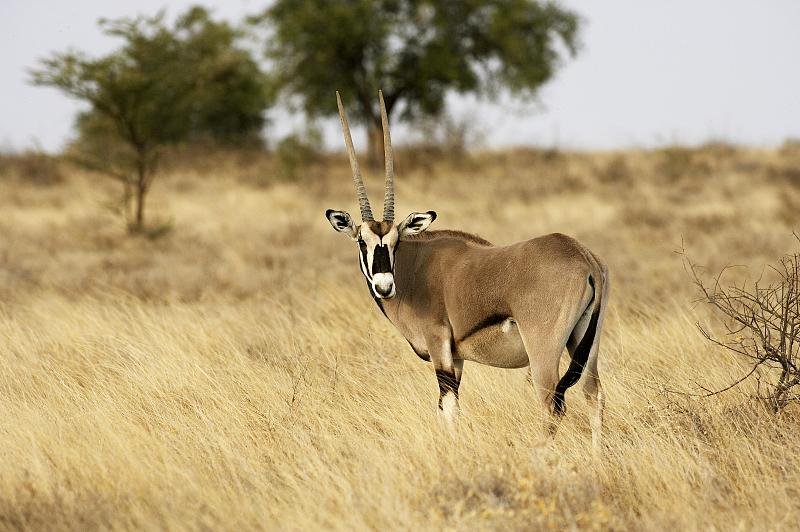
[(581, 354)]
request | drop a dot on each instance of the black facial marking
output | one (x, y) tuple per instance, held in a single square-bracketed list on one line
[(362, 248), (380, 260), (447, 383)]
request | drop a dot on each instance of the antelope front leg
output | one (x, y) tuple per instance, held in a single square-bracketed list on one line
[(448, 395), (448, 375)]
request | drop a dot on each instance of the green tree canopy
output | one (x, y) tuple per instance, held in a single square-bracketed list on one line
[(415, 50), (164, 85)]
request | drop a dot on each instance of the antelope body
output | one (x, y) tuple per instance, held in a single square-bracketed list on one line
[(456, 297)]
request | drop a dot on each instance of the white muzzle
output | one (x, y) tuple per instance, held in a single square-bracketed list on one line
[(383, 285)]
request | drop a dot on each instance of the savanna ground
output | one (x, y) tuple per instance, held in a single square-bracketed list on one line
[(233, 372)]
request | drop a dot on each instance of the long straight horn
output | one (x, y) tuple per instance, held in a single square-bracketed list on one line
[(361, 191), (388, 196)]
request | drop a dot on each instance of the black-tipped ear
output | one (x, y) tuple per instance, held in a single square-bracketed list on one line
[(341, 221), (416, 223)]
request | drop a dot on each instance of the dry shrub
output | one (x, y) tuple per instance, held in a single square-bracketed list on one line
[(442, 139), (762, 327), (719, 149), (790, 205), (677, 163), (35, 167), (539, 158), (644, 215), (190, 163), (787, 171), (790, 148), (616, 171), (430, 156), (296, 153)]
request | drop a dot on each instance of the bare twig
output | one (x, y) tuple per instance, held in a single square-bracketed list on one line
[(762, 323)]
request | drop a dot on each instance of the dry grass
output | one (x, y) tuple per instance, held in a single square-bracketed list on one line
[(217, 377)]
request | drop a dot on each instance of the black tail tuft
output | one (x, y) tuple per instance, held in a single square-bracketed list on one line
[(579, 358)]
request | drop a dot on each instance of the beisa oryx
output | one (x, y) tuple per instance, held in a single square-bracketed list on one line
[(456, 297)]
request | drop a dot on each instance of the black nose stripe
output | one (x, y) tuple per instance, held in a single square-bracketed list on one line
[(380, 260)]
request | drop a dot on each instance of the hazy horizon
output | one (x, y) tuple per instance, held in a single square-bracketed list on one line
[(683, 73)]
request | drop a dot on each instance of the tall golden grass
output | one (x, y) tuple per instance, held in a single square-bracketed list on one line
[(234, 373)]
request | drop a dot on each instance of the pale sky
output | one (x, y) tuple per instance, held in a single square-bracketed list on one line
[(650, 73)]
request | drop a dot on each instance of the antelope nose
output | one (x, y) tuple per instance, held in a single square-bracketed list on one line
[(383, 291), (384, 284)]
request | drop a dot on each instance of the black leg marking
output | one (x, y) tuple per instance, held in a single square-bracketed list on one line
[(447, 383), (579, 358)]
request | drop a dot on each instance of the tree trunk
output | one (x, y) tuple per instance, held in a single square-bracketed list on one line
[(141, 192), (375, 144), (127, 196)]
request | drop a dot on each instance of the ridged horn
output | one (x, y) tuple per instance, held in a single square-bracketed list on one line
[(361, 191), (388, 195)]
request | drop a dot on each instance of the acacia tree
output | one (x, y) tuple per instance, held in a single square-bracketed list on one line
[(163, 85), (414, 50)]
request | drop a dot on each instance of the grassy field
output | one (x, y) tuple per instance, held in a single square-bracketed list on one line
[(235, 374)]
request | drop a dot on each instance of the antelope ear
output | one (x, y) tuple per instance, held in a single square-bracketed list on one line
[(416, 222), (341, 221)]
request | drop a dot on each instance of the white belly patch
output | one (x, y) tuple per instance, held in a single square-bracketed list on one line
[(498, 345)]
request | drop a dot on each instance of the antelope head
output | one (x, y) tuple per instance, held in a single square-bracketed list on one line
[(377, 241)]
